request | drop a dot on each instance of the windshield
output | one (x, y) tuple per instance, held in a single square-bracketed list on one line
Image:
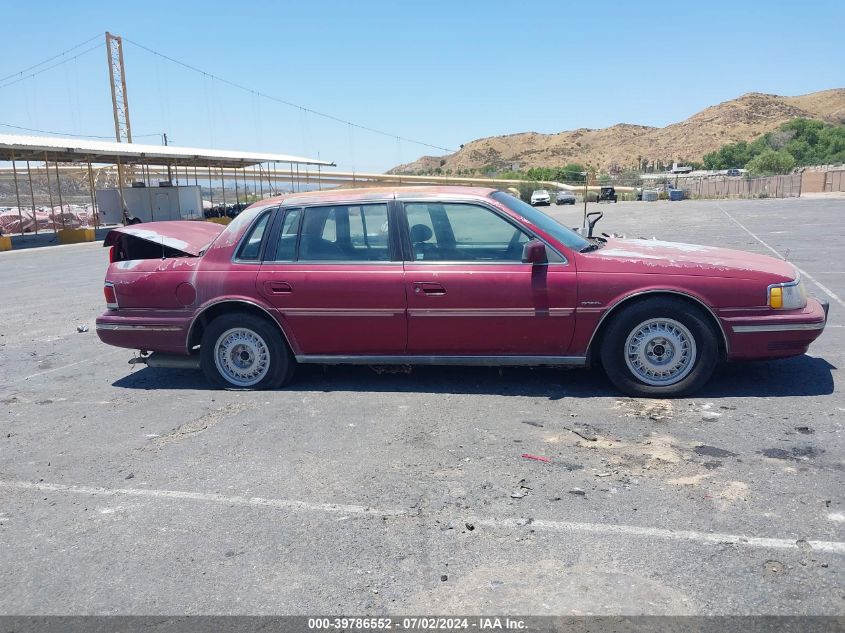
[(542, 221)]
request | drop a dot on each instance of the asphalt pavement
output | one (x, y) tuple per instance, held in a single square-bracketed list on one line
[(145, 492)]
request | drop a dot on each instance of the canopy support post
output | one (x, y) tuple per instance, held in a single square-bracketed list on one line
[(210, 187), (50, 191), (93, 197), (223, 184), (59, 188), (123, 208), (17, 194), (32, 197)]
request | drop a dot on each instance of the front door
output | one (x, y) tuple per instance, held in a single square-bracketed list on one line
[(337, 281), (469, 293)]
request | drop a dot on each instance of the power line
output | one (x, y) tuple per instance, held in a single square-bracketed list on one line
[(44, 70), (73, 48), (283, 102), (30, 129)]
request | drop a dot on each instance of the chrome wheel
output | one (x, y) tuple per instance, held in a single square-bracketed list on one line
[(660, 352), (242, 357)]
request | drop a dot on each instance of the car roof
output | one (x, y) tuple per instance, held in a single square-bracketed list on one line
[(377, 193)]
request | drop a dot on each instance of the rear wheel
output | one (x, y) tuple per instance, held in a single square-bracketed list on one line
[(242, 351), (662, 347)]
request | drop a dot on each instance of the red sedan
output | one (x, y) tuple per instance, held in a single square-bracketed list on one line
[(441, 276)]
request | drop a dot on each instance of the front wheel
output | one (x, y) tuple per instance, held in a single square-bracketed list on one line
[(242, 351), (659, 348)]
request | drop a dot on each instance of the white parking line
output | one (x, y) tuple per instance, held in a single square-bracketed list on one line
[(708, 538), (804, 273), (50, 371)]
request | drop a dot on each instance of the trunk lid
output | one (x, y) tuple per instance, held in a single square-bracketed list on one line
[(177, 238)]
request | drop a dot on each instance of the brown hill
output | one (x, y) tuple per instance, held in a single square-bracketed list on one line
[(623, 145)]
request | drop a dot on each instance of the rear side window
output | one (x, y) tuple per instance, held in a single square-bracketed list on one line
[(251, 247), (345, 233), (286, 248)]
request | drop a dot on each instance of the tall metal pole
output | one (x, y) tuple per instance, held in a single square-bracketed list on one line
[(119, 97), (584, 224), (17, 193)]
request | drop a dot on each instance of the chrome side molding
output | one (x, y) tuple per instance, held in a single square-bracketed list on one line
[(491, 361)]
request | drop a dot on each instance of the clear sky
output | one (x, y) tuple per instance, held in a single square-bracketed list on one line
[(441, 72)]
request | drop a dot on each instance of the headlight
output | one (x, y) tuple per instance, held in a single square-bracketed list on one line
[(788, 296)]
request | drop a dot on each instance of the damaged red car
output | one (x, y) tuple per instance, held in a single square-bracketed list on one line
[(441, 276)]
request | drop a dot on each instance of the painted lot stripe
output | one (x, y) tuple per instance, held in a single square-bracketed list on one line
[(50, 371), (804, 273), (708, 538)]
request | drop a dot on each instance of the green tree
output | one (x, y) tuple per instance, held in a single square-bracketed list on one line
[(771, 162)]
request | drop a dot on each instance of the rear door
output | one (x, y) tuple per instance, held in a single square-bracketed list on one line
[(335, 276), (469, 293)]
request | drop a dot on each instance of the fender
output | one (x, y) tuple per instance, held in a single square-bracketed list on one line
[(660, 291), (244, 301)]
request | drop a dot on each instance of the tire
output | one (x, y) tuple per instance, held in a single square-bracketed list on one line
[(661, 348), (238, 336)]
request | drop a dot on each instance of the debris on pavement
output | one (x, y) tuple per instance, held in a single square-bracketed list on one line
[(533, 423), (583, 432), (580, 492), (538, 458), (81, 328), (712, 451)]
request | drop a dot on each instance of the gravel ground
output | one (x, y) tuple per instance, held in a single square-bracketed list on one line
[(145, 492)]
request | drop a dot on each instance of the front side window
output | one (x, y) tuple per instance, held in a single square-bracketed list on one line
[(462, 232), (345, 233)]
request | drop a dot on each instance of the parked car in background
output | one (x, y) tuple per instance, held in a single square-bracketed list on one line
[(441, 276), (565, 196), (607, 194), (734, 172), (540, 196)]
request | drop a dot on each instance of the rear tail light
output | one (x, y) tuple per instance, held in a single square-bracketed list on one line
[(113, 254), (111, 297)]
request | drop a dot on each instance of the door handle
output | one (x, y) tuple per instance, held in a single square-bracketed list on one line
[(429, 289), (277, 287)]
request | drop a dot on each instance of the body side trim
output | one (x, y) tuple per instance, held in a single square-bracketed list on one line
[(139, 328), (493, 361), (783, 327)]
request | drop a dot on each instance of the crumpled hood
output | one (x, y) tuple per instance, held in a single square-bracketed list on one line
[(186, 236), (655, 256)]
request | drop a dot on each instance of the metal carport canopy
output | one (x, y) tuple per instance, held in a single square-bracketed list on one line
[(58, 149)]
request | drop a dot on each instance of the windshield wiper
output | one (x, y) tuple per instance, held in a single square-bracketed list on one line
[(592, 246)]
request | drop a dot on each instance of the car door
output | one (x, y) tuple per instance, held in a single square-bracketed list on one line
[(469, 293), (336, 278)]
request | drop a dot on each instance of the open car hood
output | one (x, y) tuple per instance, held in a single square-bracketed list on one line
[(186, 236)]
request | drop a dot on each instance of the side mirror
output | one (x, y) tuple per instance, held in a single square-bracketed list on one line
[(534, 252)]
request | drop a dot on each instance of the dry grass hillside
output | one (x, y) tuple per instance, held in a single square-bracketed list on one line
[(623, 145)]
